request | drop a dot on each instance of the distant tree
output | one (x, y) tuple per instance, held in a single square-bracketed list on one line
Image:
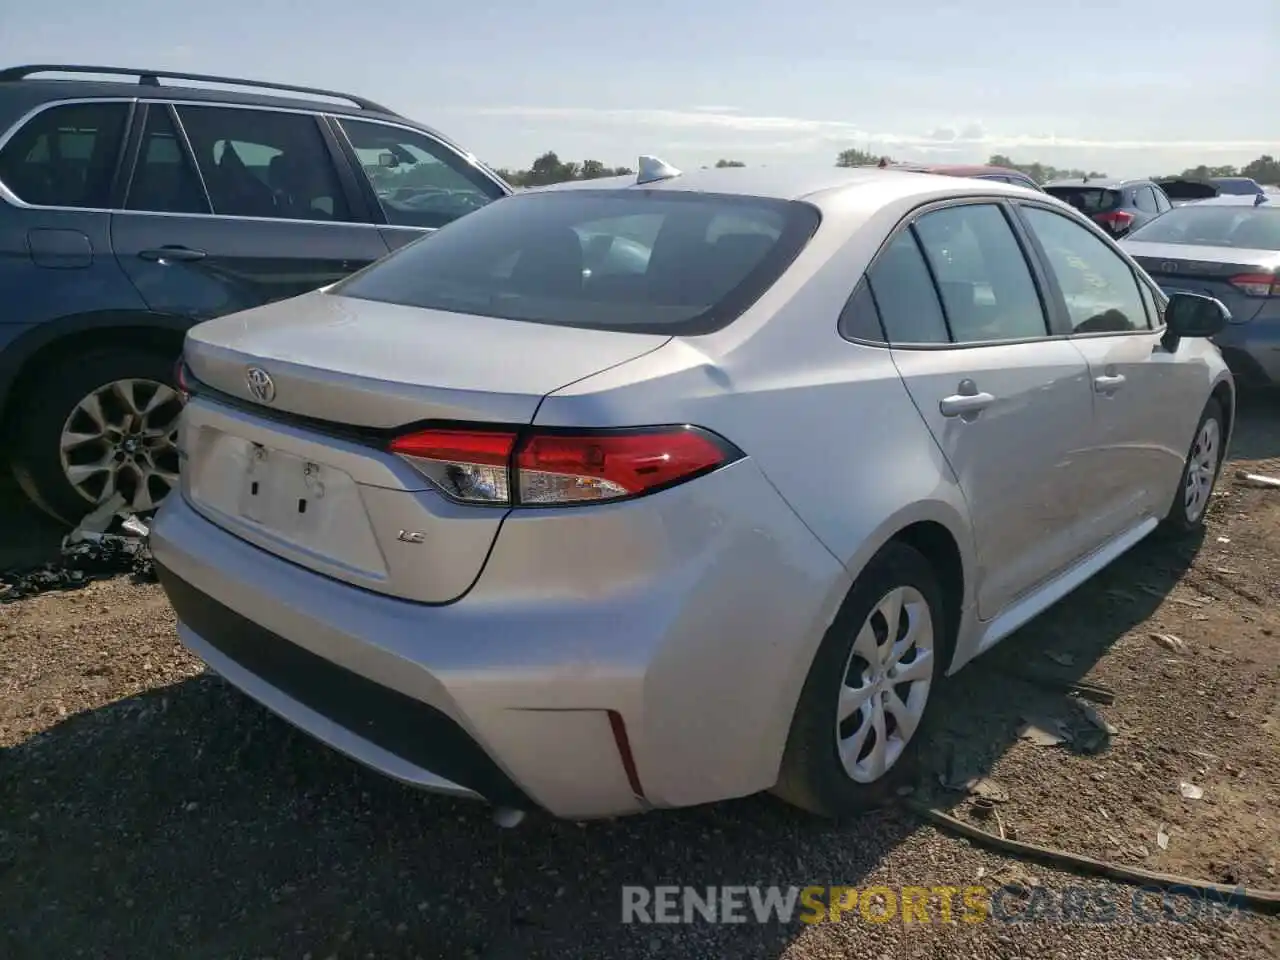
[(720, 164), (856, 158), (549, 168), (1266, 169), (1043, 172)]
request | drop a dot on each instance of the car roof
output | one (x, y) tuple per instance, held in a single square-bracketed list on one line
[(787, 182), (1104, 183), (35, 92), (961, 169), (1237, 200)]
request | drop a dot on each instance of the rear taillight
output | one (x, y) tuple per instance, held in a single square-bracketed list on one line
[(1117, 221), (1257, 284), (182, 378), (560, 467)]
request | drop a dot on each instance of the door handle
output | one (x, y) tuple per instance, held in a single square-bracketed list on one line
[(966, 405), (161, 254), (1108, 384)]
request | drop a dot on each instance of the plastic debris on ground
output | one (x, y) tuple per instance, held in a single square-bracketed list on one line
[(89, 552)]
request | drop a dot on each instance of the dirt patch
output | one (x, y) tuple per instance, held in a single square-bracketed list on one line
[(147, 810)]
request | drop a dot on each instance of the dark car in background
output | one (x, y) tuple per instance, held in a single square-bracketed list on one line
[(131, 209), (1117, 206), (1182, 190), (1227, 247), (1238, 186)]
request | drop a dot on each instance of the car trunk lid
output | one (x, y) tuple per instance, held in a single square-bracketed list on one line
[(301, 468), (1208, 271)]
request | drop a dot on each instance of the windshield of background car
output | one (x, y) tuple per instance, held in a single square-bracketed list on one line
[(1088, 200), (656, 261), (1188, 189), (1249, 228)]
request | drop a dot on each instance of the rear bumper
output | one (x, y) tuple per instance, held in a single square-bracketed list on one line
[(677, 630)]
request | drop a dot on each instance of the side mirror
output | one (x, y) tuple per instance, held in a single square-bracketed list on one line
[(1191, 315), (388, 160)]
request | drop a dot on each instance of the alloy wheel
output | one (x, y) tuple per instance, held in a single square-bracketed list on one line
[(122, 438), (886, 684)]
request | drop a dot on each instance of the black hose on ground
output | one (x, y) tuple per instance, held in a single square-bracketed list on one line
[(1261, 901)]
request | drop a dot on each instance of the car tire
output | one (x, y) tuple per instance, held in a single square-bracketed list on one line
[(59, 404), (814, 776), (1200, 472)]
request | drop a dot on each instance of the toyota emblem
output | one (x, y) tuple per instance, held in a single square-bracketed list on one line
[(260, 384), (1169, 266)]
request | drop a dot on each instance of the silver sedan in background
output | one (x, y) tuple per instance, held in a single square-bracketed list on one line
[(598, 525), (1226, 247)]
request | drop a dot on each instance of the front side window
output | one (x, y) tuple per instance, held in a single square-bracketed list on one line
[(986, 285), (1100, 289), (674, 263), (264, 163), (418, 181), (65, 156)]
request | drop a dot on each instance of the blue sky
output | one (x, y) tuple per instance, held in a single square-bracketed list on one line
[(1127, 86)]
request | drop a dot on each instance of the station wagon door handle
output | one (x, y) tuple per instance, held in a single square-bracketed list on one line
[(1108, 384), (161, 254), (966, 405)]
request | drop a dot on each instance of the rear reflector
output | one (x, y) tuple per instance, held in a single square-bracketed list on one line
[(1257, 284), (557, 467)]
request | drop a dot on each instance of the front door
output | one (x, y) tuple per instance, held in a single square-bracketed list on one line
[(1010, 408), (1142, 397), (253, 212)]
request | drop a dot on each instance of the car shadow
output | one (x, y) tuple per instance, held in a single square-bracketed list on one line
[(28, 537)]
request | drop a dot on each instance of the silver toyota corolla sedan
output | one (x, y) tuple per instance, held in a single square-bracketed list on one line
[(1227, 247), (648, 492)]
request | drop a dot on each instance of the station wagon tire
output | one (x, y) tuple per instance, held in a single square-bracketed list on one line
[(847, 693), (93, 420), (1199, 473)]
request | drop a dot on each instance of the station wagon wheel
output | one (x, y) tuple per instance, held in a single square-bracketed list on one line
[(96, 424), (865, 706), (122, 438), (1200, 472)]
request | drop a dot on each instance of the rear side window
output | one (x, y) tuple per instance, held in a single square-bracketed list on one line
[(65, 156), (1088, 200), (264, 163), (1145, 200), (905, 295), (652, 262), (164, 180)]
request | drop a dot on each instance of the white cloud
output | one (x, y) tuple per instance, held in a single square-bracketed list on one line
[(802, 134)]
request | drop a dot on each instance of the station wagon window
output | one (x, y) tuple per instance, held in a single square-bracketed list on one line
[(264, 163), (164, 180), (986, 286), (1100, 289), (905, 295), (418, 181), (65, 156)]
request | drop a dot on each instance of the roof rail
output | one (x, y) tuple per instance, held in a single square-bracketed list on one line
[(151, 78)]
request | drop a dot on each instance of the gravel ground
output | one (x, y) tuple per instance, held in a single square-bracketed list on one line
[(148, 810)]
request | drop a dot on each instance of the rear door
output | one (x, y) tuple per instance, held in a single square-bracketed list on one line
[(1009, 405), (232, 207), (1145, 400), (417, 182)]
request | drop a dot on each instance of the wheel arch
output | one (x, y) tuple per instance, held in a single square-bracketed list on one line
[(53, 341), (1224, 391)]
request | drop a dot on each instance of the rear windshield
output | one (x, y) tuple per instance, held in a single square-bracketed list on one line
[(1188, 189), (1239, 186), (1087, 199), (1250, 228), (642, 261)]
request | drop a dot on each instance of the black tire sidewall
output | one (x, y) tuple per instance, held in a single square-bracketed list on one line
[(813, 776), (36, 427)]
